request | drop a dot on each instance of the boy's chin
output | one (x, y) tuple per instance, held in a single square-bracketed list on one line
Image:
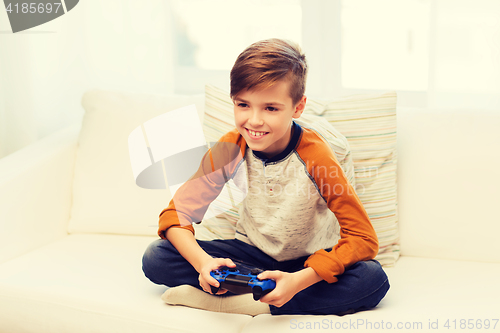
[(258, 148)]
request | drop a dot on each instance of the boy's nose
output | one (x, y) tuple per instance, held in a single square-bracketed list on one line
[(256, 119)]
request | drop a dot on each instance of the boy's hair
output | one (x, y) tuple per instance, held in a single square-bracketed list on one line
[(266, 62)]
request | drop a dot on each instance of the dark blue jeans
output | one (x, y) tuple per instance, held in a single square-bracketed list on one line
[(361, 287)]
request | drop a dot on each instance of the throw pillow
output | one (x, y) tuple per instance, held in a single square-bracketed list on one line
[(106, 198)]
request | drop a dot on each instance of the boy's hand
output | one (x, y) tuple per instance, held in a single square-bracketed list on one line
[(286, 287), (287, 284), (206, 279)]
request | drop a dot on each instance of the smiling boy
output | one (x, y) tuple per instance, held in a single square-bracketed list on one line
[(264, 117), (318, 246)]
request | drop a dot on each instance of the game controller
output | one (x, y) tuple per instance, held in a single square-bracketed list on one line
[(242, 282)]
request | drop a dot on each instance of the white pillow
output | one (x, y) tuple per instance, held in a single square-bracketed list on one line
[(105, 196)]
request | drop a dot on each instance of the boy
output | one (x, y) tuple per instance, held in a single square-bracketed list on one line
[(317, 244)]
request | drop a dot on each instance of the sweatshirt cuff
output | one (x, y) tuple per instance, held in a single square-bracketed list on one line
[(163, 233), (169, 219), (325, 265)]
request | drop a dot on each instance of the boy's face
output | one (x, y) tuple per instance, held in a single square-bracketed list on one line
[(264, 117)]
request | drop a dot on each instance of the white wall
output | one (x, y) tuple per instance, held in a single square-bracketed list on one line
[(128, 45), (45, 70)]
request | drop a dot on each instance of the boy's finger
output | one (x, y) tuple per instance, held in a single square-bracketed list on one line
[(267, 298), (221, 291), (213, 282), (268, 275), (208, 288), (228, 262), (210, 280)]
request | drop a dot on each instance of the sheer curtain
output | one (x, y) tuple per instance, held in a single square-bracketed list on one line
[(112, 44)]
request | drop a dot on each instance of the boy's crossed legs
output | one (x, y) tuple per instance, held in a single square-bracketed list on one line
[(360, 287)]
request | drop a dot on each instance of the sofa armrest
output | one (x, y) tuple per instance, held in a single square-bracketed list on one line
[(35, 193)]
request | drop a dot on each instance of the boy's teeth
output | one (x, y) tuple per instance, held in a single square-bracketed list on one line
[(256, 133)]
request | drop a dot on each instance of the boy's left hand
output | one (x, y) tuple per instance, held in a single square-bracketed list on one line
[(288, 284), (286, 287)]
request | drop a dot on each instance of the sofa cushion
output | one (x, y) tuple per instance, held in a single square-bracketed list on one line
[(94, 283), (425, 294), (106, 198), (449, 183), (369, 124)]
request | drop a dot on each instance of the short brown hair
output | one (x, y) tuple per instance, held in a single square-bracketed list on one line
[(266, 62)]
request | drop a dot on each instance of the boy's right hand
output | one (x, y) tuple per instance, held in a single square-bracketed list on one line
[(210, 265)]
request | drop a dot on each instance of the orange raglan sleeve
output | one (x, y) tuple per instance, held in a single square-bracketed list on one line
[(358, 240), (190, 202)]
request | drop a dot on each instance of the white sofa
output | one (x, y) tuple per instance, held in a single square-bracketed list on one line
[(62, 275)]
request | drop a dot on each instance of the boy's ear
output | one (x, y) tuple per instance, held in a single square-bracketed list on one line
[(299, 108)]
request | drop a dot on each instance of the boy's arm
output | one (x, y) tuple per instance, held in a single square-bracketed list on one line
[(358, 240), (190, 202), (183, 240)]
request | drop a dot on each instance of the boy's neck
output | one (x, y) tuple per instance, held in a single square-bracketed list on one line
[(292, 142)]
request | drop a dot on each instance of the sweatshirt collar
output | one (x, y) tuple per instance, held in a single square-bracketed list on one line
[(297, 131)]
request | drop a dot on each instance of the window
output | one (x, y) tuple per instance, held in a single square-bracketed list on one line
[(385, 44), (468, 46), (209, 35), (434, 53)]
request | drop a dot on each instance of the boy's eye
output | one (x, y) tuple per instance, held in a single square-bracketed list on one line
[(270, 108), (242, 105)]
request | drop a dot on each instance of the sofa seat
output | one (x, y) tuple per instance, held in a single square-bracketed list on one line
[(94, 283), (63, 270)]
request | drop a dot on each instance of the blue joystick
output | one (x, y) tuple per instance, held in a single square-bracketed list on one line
[(240, 283)]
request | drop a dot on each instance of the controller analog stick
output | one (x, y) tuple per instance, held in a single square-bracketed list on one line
[(257, 292), (215, 290)]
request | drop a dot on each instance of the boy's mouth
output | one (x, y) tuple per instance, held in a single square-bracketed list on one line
[(255, 134)]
